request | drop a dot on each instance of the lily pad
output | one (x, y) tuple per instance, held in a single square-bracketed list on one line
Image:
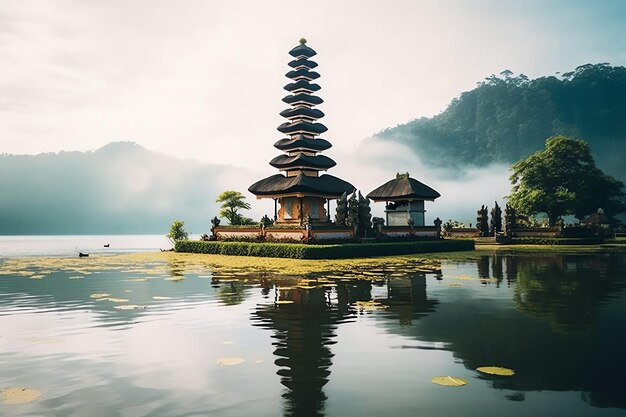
[(20, 395), (448, 381), (496, 370), (230, 361)]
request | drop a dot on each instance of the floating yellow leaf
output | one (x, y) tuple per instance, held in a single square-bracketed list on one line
[(99, 295), (496, 370), (37, 276), (128, 307), (229, 361), (19, 395), (114, 300), (448, 381), (176, 278)]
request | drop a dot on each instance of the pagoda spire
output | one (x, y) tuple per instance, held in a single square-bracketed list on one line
[(300, 163)]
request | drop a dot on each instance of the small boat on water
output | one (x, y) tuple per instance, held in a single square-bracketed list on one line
[(107, 245), (82, 255)]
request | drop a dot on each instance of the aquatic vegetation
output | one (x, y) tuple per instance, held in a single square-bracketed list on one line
[(449, 381), (371, 305), (19, 395), (114, 300), (164, 264), (129, 307)]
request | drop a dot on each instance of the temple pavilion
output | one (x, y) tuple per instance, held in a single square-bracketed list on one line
[(299, 188), (404, 197)]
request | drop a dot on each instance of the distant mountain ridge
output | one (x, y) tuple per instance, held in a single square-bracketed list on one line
[(506, 118), (121, 188)]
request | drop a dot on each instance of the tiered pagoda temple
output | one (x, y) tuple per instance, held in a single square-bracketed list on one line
[(299, 188)]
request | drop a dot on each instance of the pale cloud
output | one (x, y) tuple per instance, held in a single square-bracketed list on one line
[(203, 80)]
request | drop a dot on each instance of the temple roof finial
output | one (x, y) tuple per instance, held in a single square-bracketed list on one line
[(302, 41)]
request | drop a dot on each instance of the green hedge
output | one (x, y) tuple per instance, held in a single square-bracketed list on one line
[(303, 251)]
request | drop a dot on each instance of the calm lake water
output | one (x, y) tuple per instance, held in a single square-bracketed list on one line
[(227, 344), (67, 245)]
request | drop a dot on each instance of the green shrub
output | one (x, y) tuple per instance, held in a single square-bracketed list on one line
[(303, 251)]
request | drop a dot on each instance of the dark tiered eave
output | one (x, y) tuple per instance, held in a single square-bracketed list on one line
[(302, 143), (403, 188), (325, 186), (302, 74), (302, 86), (298, 127), (303, 98), (302, 50), (302, 63), (306, 112), (302, 161)]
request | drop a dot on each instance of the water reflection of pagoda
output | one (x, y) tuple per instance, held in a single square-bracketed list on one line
[(303, 332), (305, 329), (302, 192)]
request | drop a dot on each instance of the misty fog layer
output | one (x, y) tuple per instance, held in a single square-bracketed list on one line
[(123, 188), (463, 188)]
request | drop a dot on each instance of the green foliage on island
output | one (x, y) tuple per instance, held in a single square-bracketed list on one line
[(304, 251), (506, 118), (232, 202), (563, 179), (177, 232)]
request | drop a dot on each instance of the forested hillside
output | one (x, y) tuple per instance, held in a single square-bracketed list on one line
[(508, 117)]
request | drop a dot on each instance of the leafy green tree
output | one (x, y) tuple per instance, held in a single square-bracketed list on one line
[(177, 232), (232, 202), (563, 179)]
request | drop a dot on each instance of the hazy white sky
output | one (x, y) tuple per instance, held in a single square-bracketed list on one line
[(203, 79)]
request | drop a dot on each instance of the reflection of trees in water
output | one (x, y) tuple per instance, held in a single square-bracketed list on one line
[(231, 293), (305, 330), (560, 341), (564, 291)]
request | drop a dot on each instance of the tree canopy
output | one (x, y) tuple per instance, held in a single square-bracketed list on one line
[(232, 202), (563, 179), (177, 231)]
